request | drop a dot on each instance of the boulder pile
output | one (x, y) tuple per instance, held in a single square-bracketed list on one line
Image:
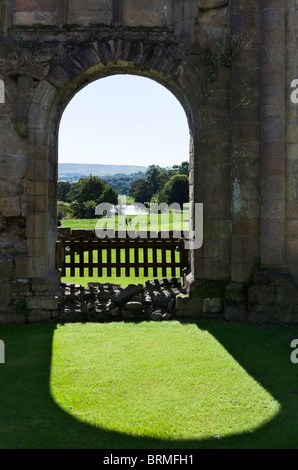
[(156, 301)]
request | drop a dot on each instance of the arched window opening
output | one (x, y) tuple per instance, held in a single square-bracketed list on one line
[(123, 175)]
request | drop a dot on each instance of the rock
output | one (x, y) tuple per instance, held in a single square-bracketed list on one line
[(126, 294), (71, 316), (134, 306), (160, 300), (88, 295), (100, 316), (95, 285), (88, 308), (70, 297), (104, 295), (111, 305), (127, 315), (156, 315), (167, 316), (115, 312), (171, 305)]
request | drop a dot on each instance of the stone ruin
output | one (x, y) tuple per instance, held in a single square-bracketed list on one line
[(156, 300), (231, 64)]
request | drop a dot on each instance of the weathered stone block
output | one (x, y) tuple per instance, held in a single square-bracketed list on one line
[(93, 11), (36, 316), (21, 287), (5, 294), (235, 293), (207, 4), (30, 18), (9, 316), (10, 207), (6, 268), (3, 223), (142, 13), (204, 288), (235, 313), (212, 305), (188, 308), (42, 303), (286, 295), (261, 295), (273, 314), (43, 284), (10, 189), (12, 167)]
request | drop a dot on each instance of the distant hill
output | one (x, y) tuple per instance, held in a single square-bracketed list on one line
[(72, 171)]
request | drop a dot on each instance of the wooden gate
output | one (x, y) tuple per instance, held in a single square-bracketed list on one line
[(116, 256)]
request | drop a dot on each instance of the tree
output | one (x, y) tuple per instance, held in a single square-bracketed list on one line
[(91, 189), (182, 169), (73, 192), (110, 196), (63, 188), (152, 176), (176, 190), (63, 210), (141, 191), (162, 179), (83, 210)]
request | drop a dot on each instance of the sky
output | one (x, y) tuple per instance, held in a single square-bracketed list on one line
[(124, 120)]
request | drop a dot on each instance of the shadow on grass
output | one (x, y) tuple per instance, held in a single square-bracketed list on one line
[(30, 419)]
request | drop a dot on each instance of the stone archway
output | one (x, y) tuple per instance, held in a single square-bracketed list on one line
[(46, 110), (80, 67)]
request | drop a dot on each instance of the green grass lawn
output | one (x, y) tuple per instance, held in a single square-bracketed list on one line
[(171, 221), (148, 385)]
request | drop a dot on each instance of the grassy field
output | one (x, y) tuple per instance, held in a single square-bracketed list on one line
[(148, 386), (171, 221)]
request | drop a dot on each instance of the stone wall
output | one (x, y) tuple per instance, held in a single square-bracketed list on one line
[(230, 64), (291, 138)]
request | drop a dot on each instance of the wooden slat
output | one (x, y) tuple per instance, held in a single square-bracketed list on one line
[(90, 262), (99, 262), (145, 248), (127, 260), (136, 262), (164, 262), (154, 257), (72, 261), (81, 257), (173, 262), (109, 261), (118, 262)]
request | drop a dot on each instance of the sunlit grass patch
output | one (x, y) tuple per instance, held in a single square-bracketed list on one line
[(162, 380)]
